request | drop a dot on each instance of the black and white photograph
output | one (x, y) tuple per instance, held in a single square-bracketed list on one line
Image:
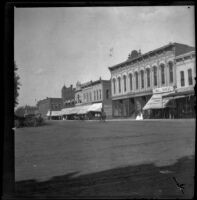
[(104, 102)]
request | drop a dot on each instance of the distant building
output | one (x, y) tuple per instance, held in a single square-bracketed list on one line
[(46, 106), (30, 110), (68, 96), (98, 92), (139, 83), (91, 98)]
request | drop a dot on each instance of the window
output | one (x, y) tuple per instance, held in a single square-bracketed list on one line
[(87, 97), (162, 74), (142, 79), (130, 78), (114, 84), (136, 80), (182, 79), (125, 82), (190, 81), (100, 93), (107, 94), (97, 94), (90, 96), (155, 75), (171, 72), (119, 84), (148, 77), (94, 95)]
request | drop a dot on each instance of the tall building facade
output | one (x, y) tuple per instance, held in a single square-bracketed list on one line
[(68, 96), (134, 81)]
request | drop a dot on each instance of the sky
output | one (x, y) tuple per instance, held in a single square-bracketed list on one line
[(63, 45)]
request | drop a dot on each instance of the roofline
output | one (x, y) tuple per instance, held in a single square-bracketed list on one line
[(149, 52), (185, 54)]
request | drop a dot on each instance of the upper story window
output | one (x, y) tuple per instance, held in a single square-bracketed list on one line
[(100, 94), (114, 85), (97, 95), (125, 82), (190, 81), (94, 95), (136, 80), (130, 79), (155, 75), (148, 77), (90, 96), (142, 79), (182, 78), (171, 72), (119, 84), (162, 73), (107, 94)]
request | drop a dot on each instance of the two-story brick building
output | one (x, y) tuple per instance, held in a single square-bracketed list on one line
[(134, 81), (184, 95), (91, 97)]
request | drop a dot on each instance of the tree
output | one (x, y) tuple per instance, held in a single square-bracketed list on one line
[(16, 85)]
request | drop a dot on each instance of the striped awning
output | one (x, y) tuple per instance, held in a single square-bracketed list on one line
[(54, 113), (157, 102)]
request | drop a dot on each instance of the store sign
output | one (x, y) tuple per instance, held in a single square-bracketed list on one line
[(184, 89), (163, 89)]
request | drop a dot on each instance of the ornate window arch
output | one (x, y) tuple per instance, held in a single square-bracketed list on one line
[(131, 80), (136, 80), (114, 85), (170, 64), (162, 66), (142, 78), (155, 75), (119, 84), (125, 82), (148, 76)]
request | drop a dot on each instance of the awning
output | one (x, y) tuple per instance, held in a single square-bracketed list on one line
[(96, 107), (83, 109), (69, 111), (54, 113), (157, 102)]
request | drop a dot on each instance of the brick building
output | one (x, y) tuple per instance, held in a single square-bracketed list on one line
[(91, 97), (134, 81), (68, 96), (46, 106)]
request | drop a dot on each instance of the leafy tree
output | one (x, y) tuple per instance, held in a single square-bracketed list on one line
[(16, 85)]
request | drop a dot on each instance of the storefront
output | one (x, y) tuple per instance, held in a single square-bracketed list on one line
[(129, 107), (158, 107), (184, 101)]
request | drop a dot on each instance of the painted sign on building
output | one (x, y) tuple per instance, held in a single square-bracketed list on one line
[(163, 89)]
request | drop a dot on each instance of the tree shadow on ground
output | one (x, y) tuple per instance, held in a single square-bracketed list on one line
[(142, 181)]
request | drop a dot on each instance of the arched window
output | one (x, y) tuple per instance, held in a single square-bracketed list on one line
[(155, 75), (136, 80), (142, 78), (114, 84), (171, 72), (125, 82), (148, 77), (119, 84), (162, 74), (107, 94), (190, 81), (97, 95), (182, 78), (130, 79)]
